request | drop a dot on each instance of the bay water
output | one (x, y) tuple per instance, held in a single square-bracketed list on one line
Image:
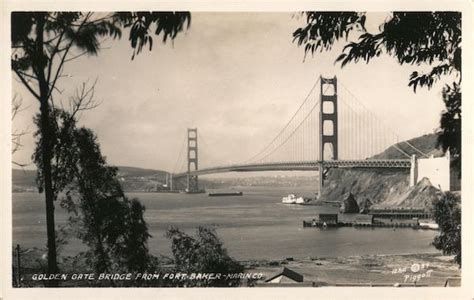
[(255, 225)]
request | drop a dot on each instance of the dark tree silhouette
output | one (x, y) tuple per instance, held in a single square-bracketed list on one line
[(447, 213), (432, 38), (43, 42), (203, 254), (110, 224)]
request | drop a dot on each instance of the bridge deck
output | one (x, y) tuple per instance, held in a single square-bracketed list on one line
[(304, 166)]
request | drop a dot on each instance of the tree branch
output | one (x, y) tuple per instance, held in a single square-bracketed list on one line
[(83, 99), (65, 54), (55, 49), (23, 80)]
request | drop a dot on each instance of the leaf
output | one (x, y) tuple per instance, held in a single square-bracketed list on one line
[(341, 57)]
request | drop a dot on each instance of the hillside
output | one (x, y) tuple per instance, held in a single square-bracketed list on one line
[(144, 180), (426, 143), (385, 187), (131, 178), (23, 180)]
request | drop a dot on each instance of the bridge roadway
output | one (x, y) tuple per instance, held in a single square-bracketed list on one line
[(313, 165)]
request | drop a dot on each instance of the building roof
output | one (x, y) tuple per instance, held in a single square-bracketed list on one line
[(287, 273)]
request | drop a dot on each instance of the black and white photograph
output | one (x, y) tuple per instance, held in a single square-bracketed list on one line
[(235, 149)]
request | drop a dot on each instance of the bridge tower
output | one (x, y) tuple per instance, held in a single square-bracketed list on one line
[(192, 180), (327, 120)]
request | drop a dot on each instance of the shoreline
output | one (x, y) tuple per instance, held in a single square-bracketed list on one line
[(422, 269), (409, 269)]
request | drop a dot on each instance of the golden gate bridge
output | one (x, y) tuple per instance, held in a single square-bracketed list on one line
[(330, 129)]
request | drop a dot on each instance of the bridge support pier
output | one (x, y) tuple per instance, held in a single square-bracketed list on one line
[(192, 184)]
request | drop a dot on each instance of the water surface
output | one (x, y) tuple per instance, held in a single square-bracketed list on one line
[(253, 226)]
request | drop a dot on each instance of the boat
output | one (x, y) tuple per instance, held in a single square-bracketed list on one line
[(293, 199), (300, 200), (225, 194), (290, 199), (428, 225)]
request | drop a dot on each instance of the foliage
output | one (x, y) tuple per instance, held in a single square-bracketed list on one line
[(323, 29), (42, 43), (84, 31), (411, 37), (110, 224), (203, 254), (168, 23), (449, 134), (432, 38), (63, 155), (447, 213)]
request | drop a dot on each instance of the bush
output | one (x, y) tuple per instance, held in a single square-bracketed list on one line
[(203, 254), (447, 213)]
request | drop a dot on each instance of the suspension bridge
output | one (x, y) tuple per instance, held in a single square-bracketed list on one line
[(331, 128)]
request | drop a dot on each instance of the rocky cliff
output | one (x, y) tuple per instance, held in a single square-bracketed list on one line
[(385, 187)]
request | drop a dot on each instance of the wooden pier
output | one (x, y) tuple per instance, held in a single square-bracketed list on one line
[(400, 213), (368, 220), (414, 225)]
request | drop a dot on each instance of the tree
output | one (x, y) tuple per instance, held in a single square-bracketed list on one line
[(432, 38), (43, 42), (204, 254), (447, 213), (110, 224)]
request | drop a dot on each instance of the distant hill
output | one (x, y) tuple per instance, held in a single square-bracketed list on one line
[(139, 172), (132, 179), (23, 180), (377, 185), (427, 144)]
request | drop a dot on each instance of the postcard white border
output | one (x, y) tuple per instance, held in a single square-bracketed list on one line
[(464, 292)]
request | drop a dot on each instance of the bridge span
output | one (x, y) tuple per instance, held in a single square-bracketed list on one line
[(314, 165)]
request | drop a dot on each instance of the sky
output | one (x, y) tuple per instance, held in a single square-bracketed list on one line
[(237, 77)]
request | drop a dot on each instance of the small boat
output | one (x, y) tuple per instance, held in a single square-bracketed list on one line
[(290, 199), (427, 225), (300, 200), (293, 199)]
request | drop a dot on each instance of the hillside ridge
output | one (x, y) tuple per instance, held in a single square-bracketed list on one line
[(386, 187)]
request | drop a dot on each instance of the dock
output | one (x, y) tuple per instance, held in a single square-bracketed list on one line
[(400, 213), (373, 225), (365, 220)]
